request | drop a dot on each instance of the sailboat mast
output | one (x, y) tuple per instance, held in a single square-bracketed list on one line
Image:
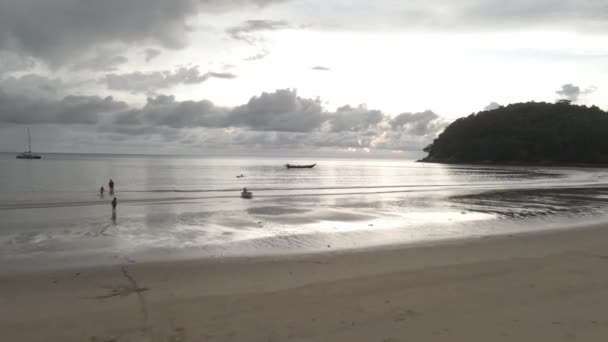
[(29, 140)]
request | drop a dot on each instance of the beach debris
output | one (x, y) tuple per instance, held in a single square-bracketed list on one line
[(120, 290)]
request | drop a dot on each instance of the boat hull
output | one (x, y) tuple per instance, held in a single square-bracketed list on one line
[(28, 157), (299, 166)]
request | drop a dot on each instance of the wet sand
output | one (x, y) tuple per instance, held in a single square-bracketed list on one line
[(549, 286)]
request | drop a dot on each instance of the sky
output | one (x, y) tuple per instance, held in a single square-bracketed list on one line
[(314, 76)]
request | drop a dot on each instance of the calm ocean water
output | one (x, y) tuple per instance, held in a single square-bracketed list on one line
[(51, 214)]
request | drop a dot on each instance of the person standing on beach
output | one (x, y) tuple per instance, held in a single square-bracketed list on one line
[(111, 186), (114, 203), (101, 190)]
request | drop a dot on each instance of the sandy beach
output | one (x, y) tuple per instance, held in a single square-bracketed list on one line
[(548, 286)]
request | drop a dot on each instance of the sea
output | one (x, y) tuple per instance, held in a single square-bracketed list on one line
[(183, 207)]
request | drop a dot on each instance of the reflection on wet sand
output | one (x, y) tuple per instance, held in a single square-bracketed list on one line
[(523, 203)]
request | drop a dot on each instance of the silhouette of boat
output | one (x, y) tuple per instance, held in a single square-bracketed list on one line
[(246, 194), (28, 154), (289, 166)]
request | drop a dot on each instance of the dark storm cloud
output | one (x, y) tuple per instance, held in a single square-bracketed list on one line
[(320, 68), (59, 30), (18, 109), (572, 93), (151, 53), (139, 82), (282, 110), (244, 32)]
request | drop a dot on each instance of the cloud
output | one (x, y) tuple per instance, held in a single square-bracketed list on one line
[(165, 111), (282, 110), (151, 82), (569, 92), (347, 118), (60, 30), (34, 86), (151, 53), (463, 15), (101, 60), (572, 93), (258, 56), (418, 124), (10, 62), (492, 106), (87, 110), (279, 119), (540, 13), (244, 32), (320, 68)]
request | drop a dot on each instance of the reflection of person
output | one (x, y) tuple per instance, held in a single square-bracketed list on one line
[(111, 185), (114, 202), (101, 190)]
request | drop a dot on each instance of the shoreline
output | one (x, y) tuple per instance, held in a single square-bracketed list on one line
[(282, 255), (514, 163), (526, 286)]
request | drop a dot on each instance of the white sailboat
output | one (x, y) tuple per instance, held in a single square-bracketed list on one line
[(28, 154)]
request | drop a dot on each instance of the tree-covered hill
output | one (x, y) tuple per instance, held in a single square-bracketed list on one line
[(526, 133)]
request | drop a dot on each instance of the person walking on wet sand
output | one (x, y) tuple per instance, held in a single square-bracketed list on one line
[(114, 202), (111, 186), (101, 190)]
